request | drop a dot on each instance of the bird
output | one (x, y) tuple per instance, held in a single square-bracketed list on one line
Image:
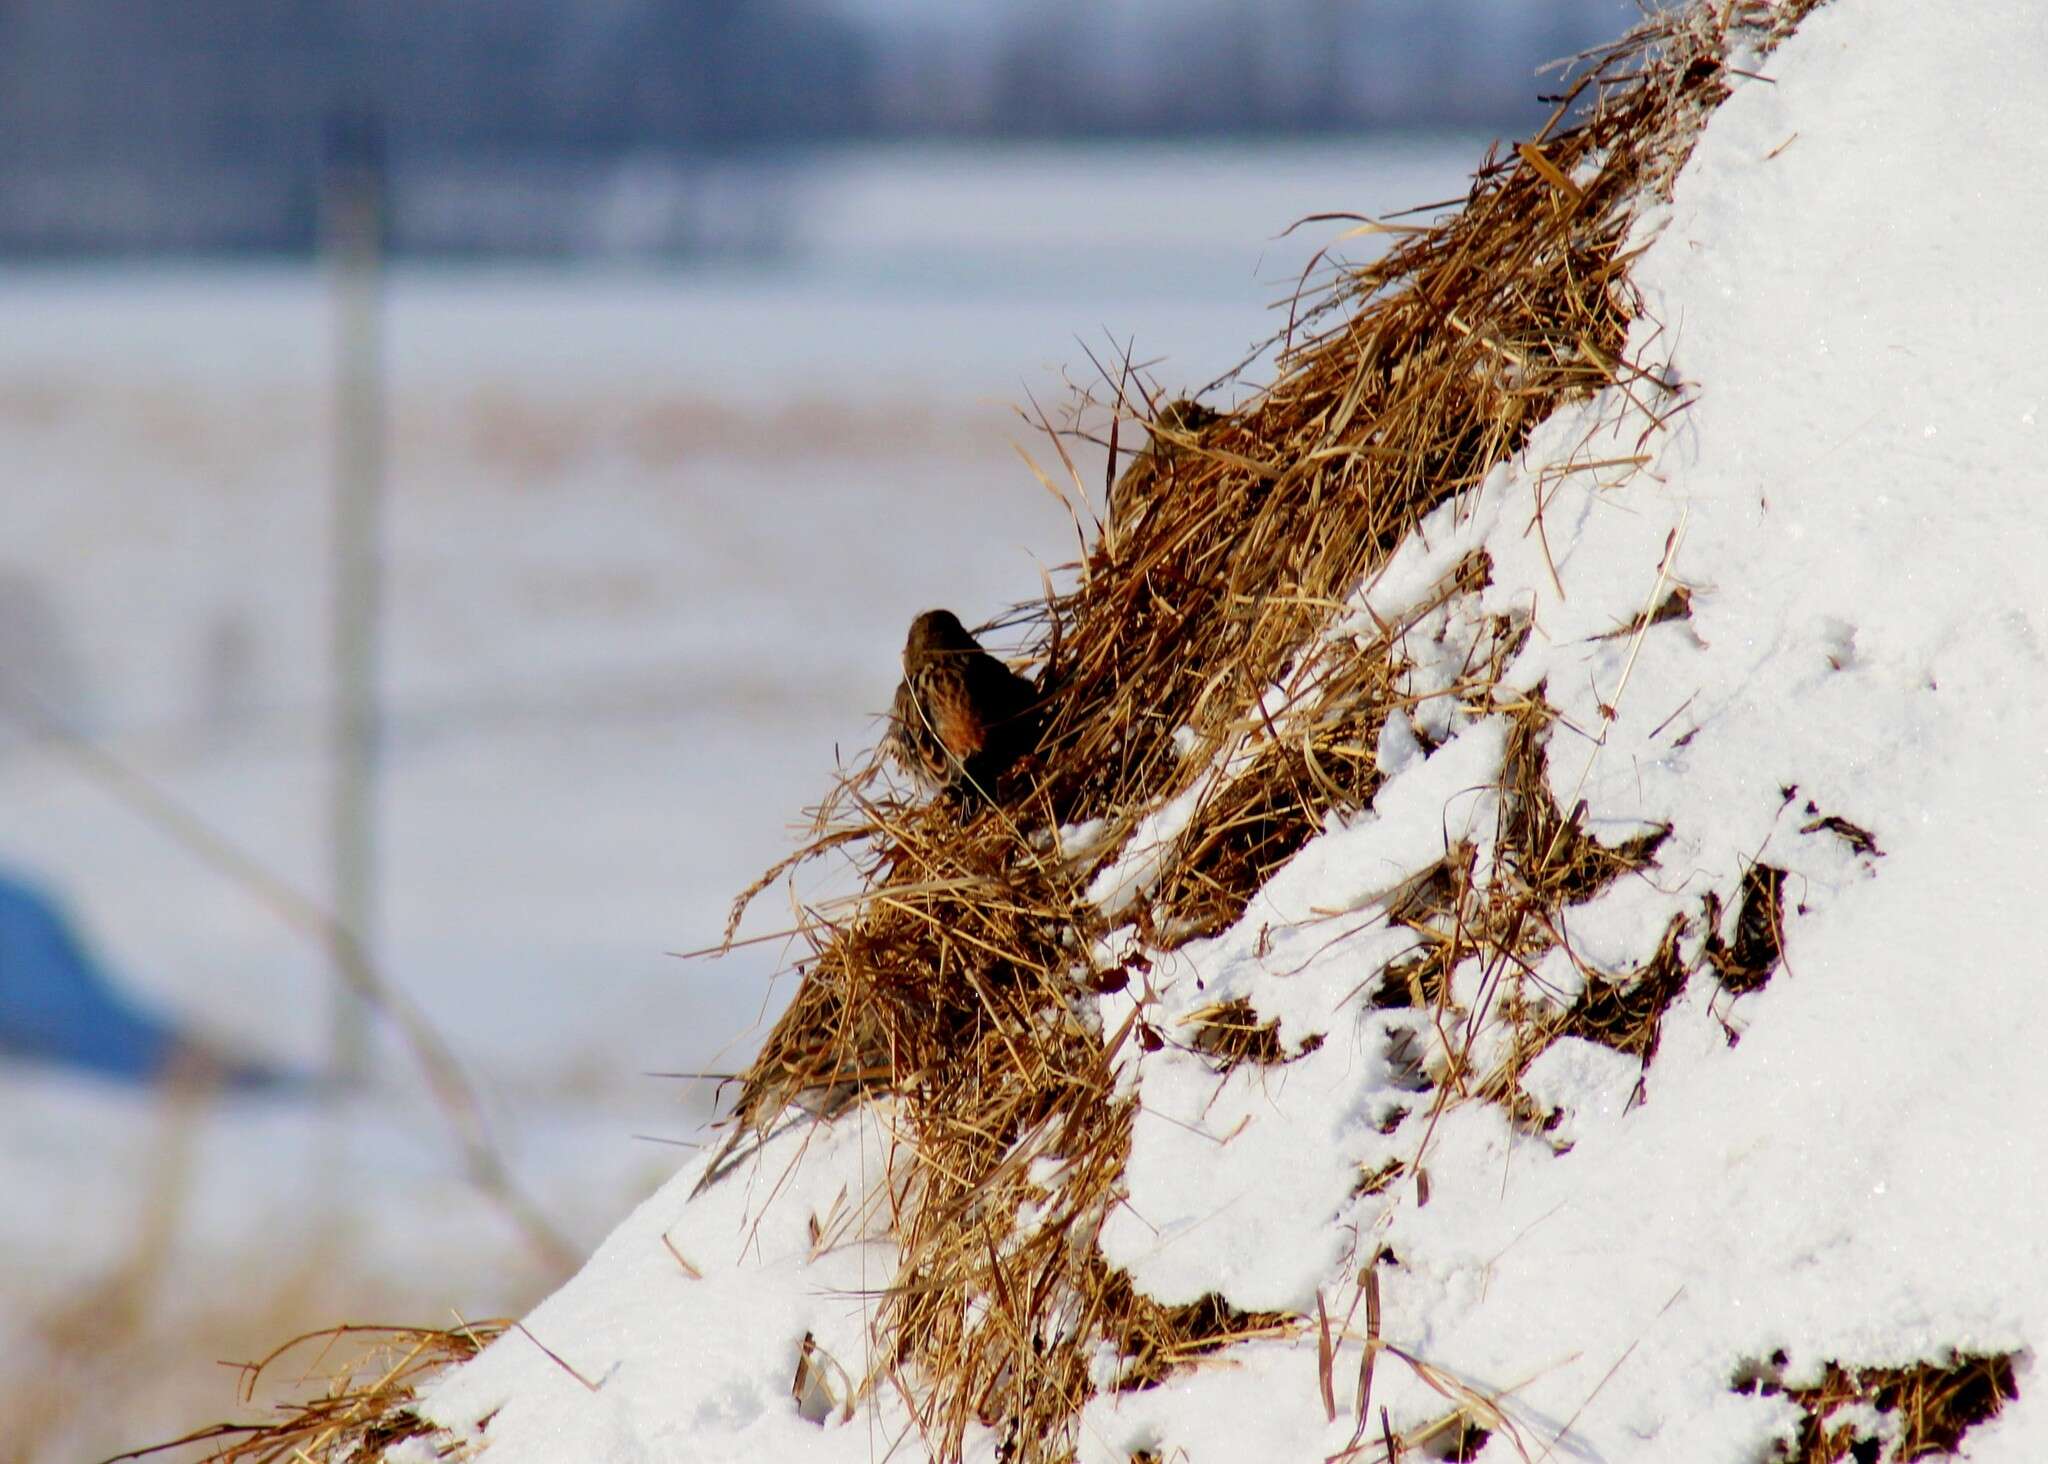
[(1152, 470), (960, 717)]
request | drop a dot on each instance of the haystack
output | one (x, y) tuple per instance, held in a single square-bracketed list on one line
[(1205, 723), (1222, 686)]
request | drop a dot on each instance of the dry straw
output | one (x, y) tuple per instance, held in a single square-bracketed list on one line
[(370, 1380), (946, 996), (1894, 1414)]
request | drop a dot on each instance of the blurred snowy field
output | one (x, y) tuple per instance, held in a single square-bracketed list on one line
[(652, 542)]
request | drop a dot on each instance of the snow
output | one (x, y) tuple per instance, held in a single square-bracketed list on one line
[(1845, 1183), (1847, 279), (699, 1369)]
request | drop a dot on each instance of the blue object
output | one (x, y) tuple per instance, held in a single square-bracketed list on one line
[(57, 1004)]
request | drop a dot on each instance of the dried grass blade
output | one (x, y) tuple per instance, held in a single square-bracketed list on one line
[(1326, 1356)]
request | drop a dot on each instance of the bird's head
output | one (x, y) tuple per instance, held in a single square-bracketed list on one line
[(936, 633)]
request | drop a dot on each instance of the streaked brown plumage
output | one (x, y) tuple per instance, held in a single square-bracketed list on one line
[(960, 718), (1150, 474)]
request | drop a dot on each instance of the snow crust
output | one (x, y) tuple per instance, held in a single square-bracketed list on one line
[(1847, 281), (650, 1362)]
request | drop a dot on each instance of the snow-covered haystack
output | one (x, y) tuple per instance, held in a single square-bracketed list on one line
[(1515, 943)]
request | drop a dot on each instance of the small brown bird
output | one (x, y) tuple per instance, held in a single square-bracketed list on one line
[(960, 717), (1150, 474)]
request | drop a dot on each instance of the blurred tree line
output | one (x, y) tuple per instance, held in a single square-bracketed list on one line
[(199, 124)]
